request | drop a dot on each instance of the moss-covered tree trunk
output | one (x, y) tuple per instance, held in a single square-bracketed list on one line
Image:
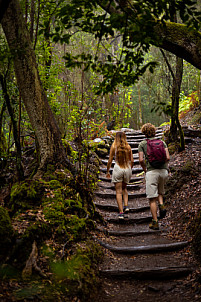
[(31, 90)]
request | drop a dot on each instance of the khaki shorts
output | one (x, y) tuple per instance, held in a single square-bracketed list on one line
[(155, 182), (121, 175)]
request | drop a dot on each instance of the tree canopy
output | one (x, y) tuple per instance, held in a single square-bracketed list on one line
[(138, 24)]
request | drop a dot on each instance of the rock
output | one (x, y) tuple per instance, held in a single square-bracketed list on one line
[(102, 152), (97, 140)]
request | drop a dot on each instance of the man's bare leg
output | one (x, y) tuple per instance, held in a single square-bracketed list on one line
[(153, 208)]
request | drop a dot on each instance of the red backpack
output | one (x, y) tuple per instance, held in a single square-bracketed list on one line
[(156, 153)]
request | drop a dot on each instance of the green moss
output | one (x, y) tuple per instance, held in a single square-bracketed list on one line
[(66, 217), (69, 150), (173, 147), (26, 194), (188, 167), (64, 176)]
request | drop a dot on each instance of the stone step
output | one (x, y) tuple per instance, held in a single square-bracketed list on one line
[(104, 162), (134, 151), (130, 220), (133, 179), (113, 208), (112, 187), (139, 139), (106, 195), (134, 170), (139, 133)]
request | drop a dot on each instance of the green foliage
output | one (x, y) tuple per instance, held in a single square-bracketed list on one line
[(128, 63), (187, 103)]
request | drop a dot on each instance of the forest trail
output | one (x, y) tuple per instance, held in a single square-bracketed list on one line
[(139, 264)]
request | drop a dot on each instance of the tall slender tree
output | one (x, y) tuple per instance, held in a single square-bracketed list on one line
[(31, 89)]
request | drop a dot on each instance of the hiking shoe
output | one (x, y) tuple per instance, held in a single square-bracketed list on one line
[(126, 209), (154, 225), (121, 216), (162, 211)]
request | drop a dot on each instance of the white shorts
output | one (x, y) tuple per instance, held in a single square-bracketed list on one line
[(121, 175), (155, 182)]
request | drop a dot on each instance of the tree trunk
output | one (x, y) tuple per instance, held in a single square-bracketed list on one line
[(31, 90), (177, 79), (140, 106), (20, 170)]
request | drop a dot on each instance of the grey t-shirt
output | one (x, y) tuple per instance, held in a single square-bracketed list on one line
[(142, 147)]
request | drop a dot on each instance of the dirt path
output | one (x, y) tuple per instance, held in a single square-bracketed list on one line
[(139, 264)]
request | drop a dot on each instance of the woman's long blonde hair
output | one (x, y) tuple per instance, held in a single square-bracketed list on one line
[(122, 150)]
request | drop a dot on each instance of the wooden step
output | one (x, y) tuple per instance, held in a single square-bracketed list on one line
[(159, 273), (155, 248), (130, 220), (129, 233)]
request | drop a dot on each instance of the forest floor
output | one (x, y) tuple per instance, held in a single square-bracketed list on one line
[(183, 202)]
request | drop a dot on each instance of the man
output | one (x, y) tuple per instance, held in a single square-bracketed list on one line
[(155, 177)]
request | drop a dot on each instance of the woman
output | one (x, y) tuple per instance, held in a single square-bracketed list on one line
[(122, 171)]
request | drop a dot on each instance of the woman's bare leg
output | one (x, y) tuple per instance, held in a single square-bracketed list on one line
[(118, 187), (125, 194)]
